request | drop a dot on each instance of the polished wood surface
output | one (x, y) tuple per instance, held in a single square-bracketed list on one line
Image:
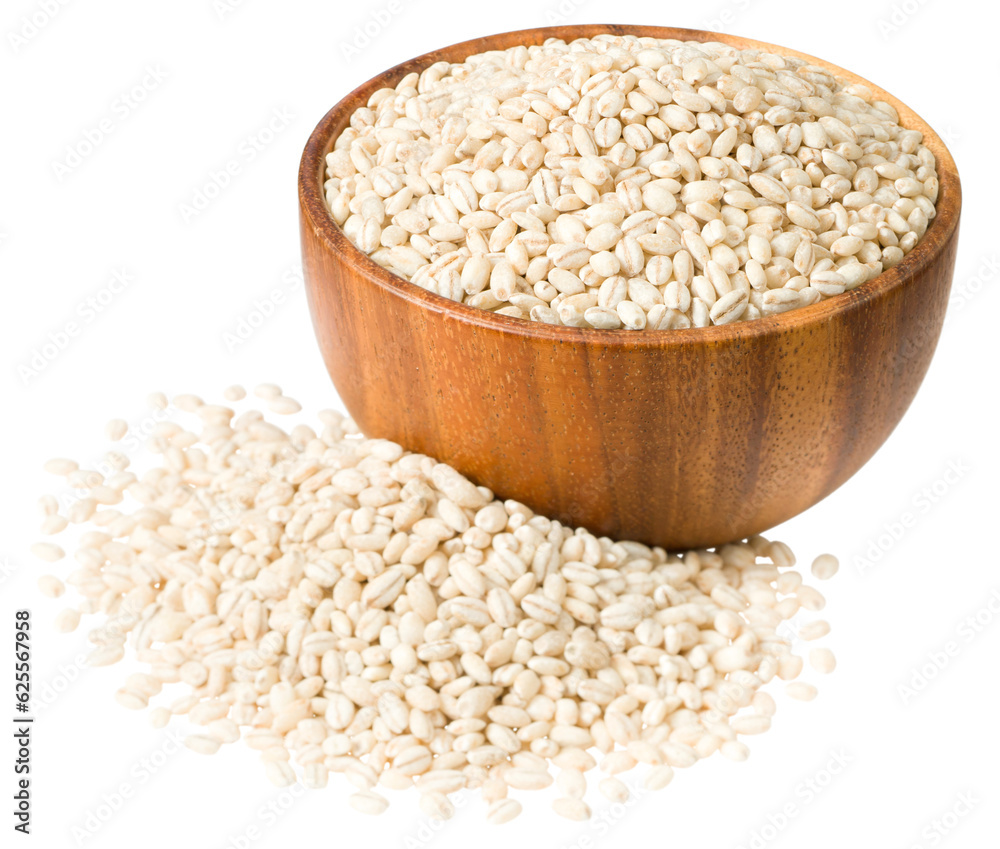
[(675, 438)]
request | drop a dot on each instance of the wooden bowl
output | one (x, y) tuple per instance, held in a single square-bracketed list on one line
[(675, 438)]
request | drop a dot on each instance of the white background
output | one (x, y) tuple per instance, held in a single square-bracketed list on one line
[(226, 68)]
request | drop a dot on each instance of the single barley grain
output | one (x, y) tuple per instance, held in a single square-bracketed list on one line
[(735, 750), (368, 802), (51, 586), (133, 701), (157, 400), (53, 524), (159, 717), (571, 809), (658, 777), (822, 660), (814, 630), (187, 402), (825, 567), (503, 810), (801, 691), (614, 789), (48, 551), (60, 466), (116, 429), (283, 406), (67, 620), (202, 744), (267, 391)]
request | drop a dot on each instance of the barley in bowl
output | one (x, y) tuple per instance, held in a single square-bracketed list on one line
[(631, 183)]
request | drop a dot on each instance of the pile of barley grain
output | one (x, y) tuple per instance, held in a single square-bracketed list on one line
[(623, 182), (350, 607)]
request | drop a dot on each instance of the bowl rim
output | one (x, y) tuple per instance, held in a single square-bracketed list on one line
[(313, 208)]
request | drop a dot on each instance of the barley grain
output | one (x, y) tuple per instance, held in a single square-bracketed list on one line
[(801, 691), (502, 811), (116, 429), (368, 802), (202, 744), (571, 809), (825, 567), (47, 551), (822, 660), (67, 620), (614, 790), (51, 586)]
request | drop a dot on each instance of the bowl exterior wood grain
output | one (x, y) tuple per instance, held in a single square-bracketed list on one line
[(674, 438)]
